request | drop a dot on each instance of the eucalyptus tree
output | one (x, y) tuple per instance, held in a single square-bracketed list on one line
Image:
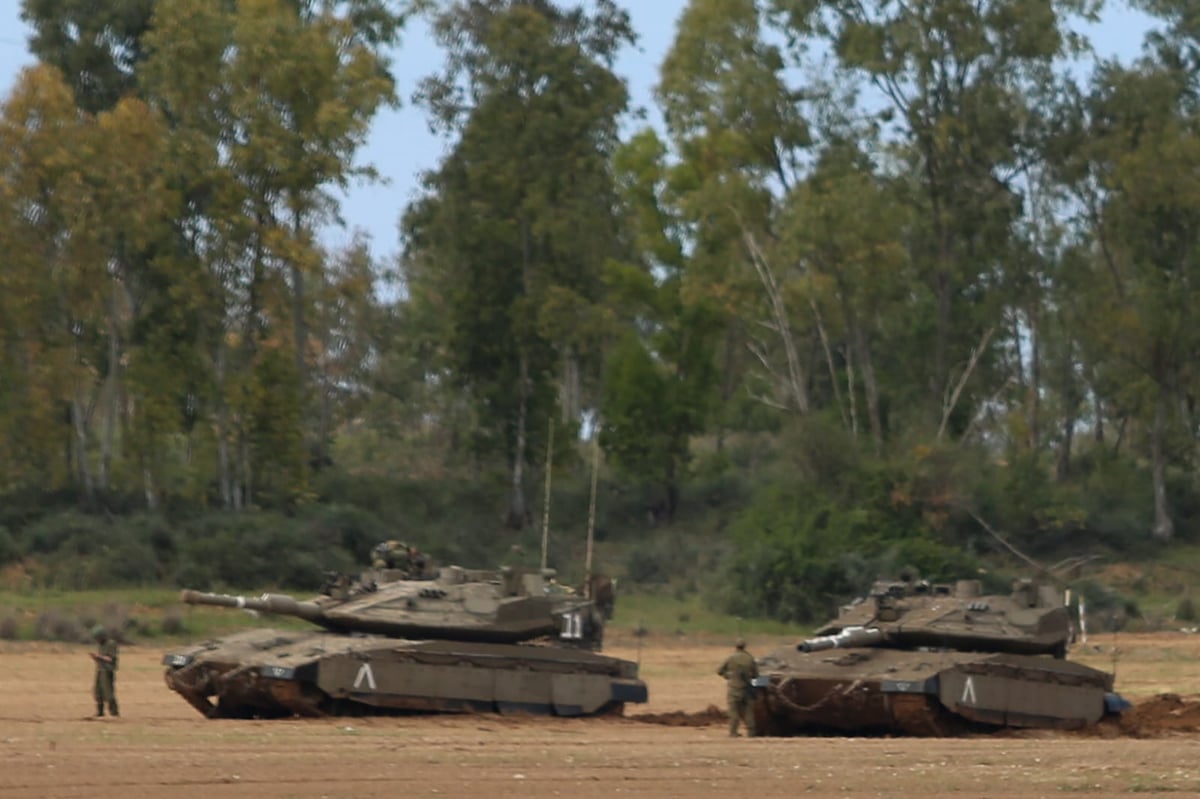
[(1129, 153), (955, 76), (739, 139), (520, 216), (50, 316), (845, 227), (661, 373), (266, 120), (97, 46)]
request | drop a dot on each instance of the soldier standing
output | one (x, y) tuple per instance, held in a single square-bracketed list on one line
[(738, 670), (105, 689)]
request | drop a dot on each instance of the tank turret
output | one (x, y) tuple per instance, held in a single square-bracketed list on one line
[(922, 658), (503, 606), (917, 614)]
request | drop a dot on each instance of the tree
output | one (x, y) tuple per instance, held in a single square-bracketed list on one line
[(519, 218), (97, 47), (267, 119), (1128, 161), (845, 225), (740, 139), (49, 314), (955, 75), (660, 377)]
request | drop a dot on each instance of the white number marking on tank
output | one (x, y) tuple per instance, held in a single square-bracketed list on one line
[(968, 696), (365, 675), (572, 626)]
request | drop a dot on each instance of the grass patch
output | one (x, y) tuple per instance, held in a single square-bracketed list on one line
[(659, 615), (139, 614)]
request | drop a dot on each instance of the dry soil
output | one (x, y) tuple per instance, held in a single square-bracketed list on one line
[(672, 747)]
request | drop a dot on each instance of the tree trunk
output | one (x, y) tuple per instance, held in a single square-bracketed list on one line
[(671, 492), (111, 395), (1071, 401), (797, 382), (862, 351), (851, 390), (516, 504), (325, 422), (834, 382), (870, 387), (149, 489), (245, 495), (224, 470), (1035, 377), (1062, 466), (79, 426), (1164, 526), (729, 379), (300, 330), (570, 404)]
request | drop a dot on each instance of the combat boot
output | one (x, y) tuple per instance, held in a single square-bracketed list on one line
[(100, 709)]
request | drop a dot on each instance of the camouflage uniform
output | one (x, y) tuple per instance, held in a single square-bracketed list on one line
[(389, 555), (104, 690), (738, 670), (416, 563)]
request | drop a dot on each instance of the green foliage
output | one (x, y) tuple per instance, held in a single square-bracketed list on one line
[(941, 286), (829, 525), (1107, 609), (100, 48), (519, 218)]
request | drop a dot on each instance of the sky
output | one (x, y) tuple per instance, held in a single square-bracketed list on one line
[(401, 146)]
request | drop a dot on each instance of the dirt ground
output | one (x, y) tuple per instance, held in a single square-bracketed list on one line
[(50, 747)]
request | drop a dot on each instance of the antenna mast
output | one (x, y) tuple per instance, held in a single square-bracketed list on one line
[(587, 564), (546, 504)]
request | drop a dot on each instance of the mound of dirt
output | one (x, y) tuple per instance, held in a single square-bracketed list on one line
[(710, 716), (1161, 715)]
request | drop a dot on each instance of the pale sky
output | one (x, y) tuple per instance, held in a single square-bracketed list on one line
[(401, 146)]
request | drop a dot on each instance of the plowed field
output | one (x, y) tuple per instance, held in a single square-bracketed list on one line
[(673, 747)]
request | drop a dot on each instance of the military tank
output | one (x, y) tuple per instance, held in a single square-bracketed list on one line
[(917, 658), (458, 640)]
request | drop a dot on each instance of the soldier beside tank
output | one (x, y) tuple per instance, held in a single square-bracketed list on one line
[(104, 688), (398, 555), (739, 670)]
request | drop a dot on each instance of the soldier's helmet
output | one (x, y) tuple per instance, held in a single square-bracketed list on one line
[(740, 643), (98, 631)]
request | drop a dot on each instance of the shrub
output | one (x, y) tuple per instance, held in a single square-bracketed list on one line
[(9, 549), (173, 622), (803, 548), (661, 559), (55, 626), (10, 628), (1107, 609)]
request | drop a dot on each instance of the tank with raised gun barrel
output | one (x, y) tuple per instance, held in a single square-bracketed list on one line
[(458, 640), (918, 658)]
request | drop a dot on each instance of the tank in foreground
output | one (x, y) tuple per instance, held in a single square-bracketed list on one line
[(924, 659), (461, 641)]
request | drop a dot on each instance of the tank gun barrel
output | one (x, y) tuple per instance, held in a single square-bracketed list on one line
[(279, 604), (851, 636)]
